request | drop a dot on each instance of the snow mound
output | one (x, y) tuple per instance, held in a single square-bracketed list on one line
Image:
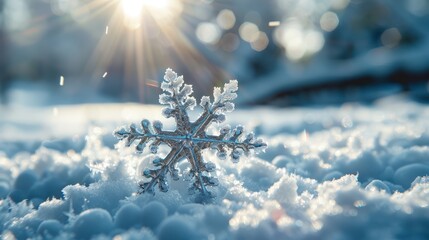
[(348, 172)]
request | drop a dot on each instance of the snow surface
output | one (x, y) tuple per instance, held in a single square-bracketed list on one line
[(348, 172)]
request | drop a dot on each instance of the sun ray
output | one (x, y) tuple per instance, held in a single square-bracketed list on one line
[(106, 49), (161, 35), (149, 35), (138, 44)]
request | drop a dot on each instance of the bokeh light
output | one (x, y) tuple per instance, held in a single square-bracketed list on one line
[(391, 37), (261, 42), (340, 4), (298, 41), (248, 31), (226, 19), (329, 21), (230, 42), (418, 7), (208, 33)]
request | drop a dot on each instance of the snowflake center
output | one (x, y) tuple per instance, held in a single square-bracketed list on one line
[(189, 139)]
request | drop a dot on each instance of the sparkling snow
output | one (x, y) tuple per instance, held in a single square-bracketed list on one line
[(348, 172)]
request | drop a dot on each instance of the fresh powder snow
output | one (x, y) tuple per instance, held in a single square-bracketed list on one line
[(348, 172)]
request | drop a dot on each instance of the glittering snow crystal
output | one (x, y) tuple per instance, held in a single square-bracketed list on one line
[(189, 138)]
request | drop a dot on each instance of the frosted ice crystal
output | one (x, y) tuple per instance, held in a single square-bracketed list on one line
[(189, 138)]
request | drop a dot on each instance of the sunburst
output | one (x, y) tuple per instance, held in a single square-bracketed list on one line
[(148, 35)]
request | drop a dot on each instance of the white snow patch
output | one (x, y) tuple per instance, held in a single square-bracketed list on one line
[(358, 172)]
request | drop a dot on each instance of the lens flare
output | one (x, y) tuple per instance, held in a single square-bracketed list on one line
[(132, 8), (135, 10)]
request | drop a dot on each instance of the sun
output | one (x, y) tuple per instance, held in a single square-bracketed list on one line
[(134, 10), (157, 4)]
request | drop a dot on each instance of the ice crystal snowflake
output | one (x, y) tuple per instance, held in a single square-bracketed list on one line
[(189, 138)]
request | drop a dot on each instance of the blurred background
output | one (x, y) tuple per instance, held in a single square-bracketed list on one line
[(283, 52)]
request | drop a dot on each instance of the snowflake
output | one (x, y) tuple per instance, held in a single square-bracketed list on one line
[(189, 138)]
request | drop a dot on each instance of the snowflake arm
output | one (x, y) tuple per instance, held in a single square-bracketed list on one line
[(189, 138), (159, 175), (147, 133), (214, 111), (177, 96), (198, 167), (233, 140)]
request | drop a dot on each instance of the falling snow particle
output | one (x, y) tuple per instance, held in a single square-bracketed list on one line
[(107, 30), (62, 81), (274, 24), (105, 74)]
